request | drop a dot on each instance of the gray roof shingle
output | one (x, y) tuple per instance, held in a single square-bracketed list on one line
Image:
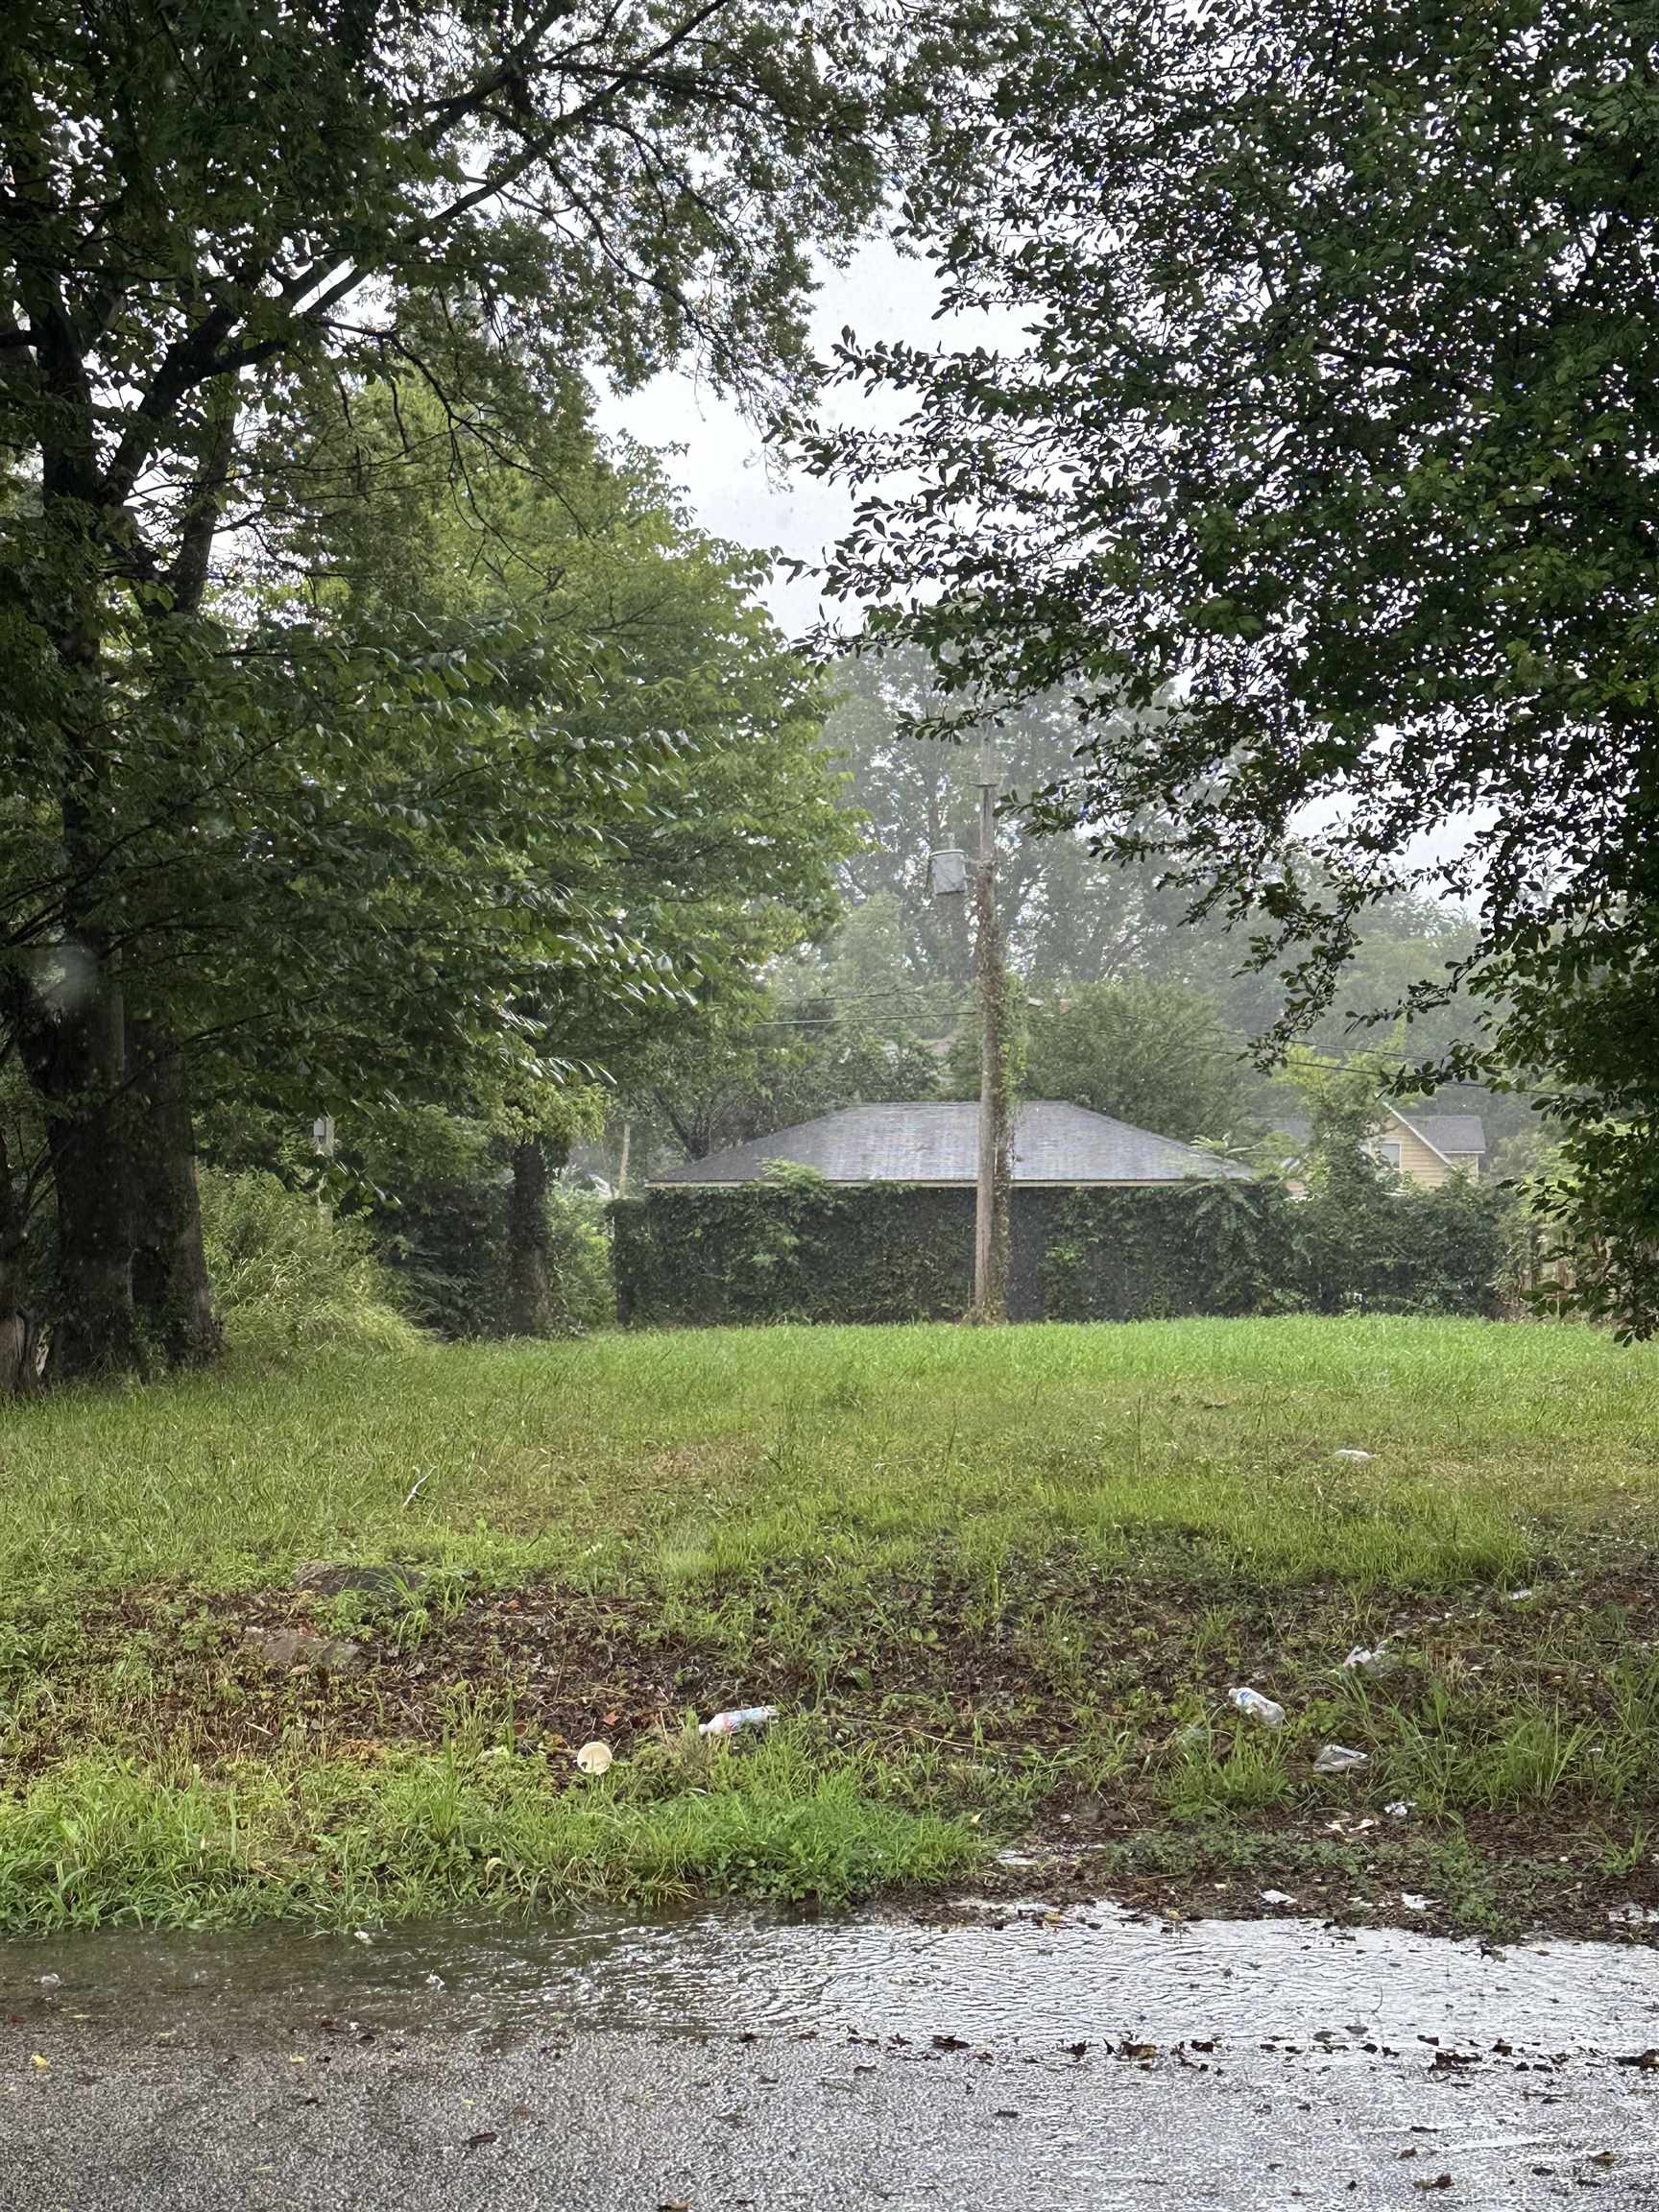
[(937, 1141), (1450, 1134)]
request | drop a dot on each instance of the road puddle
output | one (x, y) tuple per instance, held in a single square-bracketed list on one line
[(1092, 1974)]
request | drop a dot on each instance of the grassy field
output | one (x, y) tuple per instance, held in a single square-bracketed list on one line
[(998, 1584)]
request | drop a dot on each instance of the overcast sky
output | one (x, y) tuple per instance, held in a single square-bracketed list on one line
[(737, 491)]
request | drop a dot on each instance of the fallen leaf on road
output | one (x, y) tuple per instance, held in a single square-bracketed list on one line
[(44, 2064)]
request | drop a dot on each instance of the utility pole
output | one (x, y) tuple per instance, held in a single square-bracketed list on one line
[(948, 871), (990, 1207)]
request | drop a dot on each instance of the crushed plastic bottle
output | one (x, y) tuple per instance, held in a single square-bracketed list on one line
[(1338, 1759), (1256, 1707), (741, 1717)]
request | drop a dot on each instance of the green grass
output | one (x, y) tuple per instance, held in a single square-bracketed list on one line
[(702, 1458), (999, 1581)]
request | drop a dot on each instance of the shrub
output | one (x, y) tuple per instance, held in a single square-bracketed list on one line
[(581, 1284), (290, 1276)]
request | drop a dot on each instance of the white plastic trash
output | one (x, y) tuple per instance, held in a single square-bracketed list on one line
[(594, 1758), (1353, 1455), (1338, 1759), (1256, 1707), (741, 1717)]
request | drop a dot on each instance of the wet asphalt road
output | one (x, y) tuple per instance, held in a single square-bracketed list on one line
[(716, 2067)]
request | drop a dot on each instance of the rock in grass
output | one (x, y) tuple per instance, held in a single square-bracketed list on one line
[(333, 1578), (284, 1649)]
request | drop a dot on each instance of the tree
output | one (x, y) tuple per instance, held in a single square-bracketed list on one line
[(680, 792), (200, 253), (782, 1054), (1332, 445), (1065, 914), (1150, 1052)]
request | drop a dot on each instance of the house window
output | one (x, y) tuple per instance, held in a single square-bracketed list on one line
[(1388, 1152)]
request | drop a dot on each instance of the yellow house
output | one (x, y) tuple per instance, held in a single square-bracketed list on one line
[(1431, 1148), (1426, 1150)]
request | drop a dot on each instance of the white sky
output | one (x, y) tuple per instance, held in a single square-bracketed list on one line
[(738, 490)]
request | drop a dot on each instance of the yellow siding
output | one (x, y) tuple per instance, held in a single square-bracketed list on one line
[(1420, 1163)]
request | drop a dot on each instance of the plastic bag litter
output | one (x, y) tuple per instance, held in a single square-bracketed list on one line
[(1398, 1808), (1363, 1656), (1338, 1759), (1256, 1707), (594, 1758), (1353, 1455), (741, 1717)]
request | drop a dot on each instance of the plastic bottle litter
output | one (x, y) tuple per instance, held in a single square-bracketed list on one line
[(741, 1717), (594, 1758), (1252, 1703), (1338, 1759), (1353, 1455), (1519, 1597)]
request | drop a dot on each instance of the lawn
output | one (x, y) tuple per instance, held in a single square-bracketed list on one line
[(998, 1584)]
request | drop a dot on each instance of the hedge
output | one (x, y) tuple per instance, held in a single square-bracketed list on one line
[(803, 1250), (793, 1251), (796, 1248)]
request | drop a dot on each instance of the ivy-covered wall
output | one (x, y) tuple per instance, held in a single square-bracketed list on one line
[(796, 1248), (793, 1250), (1127, 1255), (800, 1249)]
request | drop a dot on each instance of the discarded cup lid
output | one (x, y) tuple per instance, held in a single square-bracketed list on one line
[(594, 1758)]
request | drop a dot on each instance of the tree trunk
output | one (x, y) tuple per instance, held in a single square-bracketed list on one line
[(18, 1371), (528, 1258), (170, 1282), (74, 1046)]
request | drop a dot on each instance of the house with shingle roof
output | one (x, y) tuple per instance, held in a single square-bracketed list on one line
[(867, 1214), (935, 1141), (1428, 1149)]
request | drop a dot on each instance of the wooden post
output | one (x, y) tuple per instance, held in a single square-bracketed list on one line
[(991, 1205)]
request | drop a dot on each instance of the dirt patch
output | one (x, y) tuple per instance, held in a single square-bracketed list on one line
[(1055, 1715)]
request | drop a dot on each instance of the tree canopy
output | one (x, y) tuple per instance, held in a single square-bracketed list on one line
[(227, 239), (1332, 447)]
